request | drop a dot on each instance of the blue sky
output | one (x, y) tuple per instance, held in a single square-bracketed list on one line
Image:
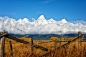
[(71, 10)]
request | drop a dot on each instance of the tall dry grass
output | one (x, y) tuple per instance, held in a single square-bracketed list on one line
[(23, 50)]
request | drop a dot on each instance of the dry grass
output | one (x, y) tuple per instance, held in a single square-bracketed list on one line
[(23, 50)]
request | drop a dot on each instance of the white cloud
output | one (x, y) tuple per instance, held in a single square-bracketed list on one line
[(40, 26), (14, 13), (47, 1), (81, 21), (33, 19)]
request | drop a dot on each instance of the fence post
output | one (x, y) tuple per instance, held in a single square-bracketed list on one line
[(2, 46), (11, 48), (79, 42), (60, 44), (55, 44), (31, 45)]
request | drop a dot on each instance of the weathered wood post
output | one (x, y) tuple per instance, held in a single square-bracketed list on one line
[(55, 44), (31, 45), (79, 42), (11, 48), (59, 43), (2, 43), (2, 46)]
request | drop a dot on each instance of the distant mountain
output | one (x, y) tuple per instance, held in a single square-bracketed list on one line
[(45, 36), (40, 26)]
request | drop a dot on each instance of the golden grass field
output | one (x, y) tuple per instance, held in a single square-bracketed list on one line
[(23, 50)]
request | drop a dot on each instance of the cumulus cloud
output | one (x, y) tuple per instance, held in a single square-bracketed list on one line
[(40, 26)]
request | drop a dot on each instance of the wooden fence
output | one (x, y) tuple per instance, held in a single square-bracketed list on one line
[(4, 34)]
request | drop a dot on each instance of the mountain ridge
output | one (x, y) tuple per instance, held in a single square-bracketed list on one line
[(45, 36), (40, 26)]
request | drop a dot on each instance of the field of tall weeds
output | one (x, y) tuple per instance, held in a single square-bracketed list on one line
[(23, 50)]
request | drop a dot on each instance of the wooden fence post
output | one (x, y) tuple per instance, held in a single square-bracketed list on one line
[(11, 48), (79, 42), (31, 45), (60, 44), (2, 46), (55, 44)]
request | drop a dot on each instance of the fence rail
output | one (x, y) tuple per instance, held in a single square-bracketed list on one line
[(25, 42), (4, 34), (78, 38)]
